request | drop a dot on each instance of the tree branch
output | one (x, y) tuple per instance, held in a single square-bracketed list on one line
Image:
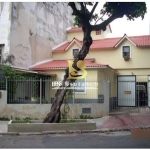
[(74, 9), (100, 18), (102, 26), (76, 12), (82, 7), (93, 9)]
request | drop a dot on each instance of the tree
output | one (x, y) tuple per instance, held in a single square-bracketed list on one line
[(83, 18)]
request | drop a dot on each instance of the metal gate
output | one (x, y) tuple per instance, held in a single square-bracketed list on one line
[(126, 91), (148, 91), (133, 95)]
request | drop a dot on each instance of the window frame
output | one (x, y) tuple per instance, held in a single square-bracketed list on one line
[(81, 92), (123, 52), (98, 32), (73, 51)]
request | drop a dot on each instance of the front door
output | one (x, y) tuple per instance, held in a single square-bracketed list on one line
[(127, 90)]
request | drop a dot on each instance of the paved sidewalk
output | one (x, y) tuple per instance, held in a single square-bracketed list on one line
[(3, 126), (125, 121), (104, 124)]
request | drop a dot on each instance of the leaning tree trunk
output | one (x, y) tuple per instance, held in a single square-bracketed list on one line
[(55, 115)]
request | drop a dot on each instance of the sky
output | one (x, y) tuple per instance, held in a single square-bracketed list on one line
[(123, 26)]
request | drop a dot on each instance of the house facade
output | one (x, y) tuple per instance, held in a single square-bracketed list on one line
[(123, 61), (92, 100), (115, 68)]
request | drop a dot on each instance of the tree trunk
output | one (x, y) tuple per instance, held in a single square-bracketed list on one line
[(55, 115)]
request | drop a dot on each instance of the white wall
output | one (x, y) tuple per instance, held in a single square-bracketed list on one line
[(5, 25)]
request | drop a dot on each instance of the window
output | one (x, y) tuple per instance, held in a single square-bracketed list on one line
[(126, 51), (75, 52), (80, 86), (98, 32), (86, 110)]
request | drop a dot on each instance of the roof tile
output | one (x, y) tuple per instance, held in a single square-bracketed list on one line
[(108, 43), (58, 64)]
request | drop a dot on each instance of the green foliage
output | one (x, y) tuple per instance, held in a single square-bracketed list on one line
[(14, 74), (10, 73), (4, 119), (78, 22), (85, 117), (44, 101), (25, 120), (130, 9), (67, 121)]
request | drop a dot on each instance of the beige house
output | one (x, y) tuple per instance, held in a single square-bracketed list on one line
[(123, 61), (118, 72)]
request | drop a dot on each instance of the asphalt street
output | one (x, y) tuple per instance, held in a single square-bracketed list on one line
[(81, 140)]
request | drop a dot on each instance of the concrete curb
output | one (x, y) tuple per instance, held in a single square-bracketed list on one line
[(74, 131)]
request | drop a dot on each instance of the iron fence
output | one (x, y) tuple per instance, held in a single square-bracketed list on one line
[(124, 96), (42, 91), (2, 83), (131, 97), (28, 91)]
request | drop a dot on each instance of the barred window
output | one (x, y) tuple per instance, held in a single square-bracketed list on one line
[(80, 86), (126, 51), (75, 52), (98, 32)]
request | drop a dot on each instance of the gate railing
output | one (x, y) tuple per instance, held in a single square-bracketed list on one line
[(28, 90), (140, 101), (41, 91)]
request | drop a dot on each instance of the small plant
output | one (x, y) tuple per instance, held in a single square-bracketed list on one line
[(127, 57), (25, 120), (44, 101), (72, 121), (85, 117), (67, 121), (35, 119), (4, 119)]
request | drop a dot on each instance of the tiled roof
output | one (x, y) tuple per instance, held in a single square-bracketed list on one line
[(61, 64), (139, 41), (63, 47), (104, 43), (78, 29), (74, 29)]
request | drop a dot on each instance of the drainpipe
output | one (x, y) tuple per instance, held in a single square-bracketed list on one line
[(40, 91), (73, 101), (138, 98)]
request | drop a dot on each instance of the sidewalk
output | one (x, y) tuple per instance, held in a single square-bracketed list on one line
[(104, 124), (3, 126), (125, 121)]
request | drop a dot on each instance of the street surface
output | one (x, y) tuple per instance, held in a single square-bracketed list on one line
[(84, 140)]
